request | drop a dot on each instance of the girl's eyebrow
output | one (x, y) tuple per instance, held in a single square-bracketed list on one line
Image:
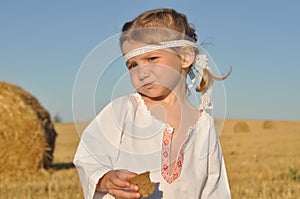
[(151, 53), (143, 56), (147, 55), (129, 62)]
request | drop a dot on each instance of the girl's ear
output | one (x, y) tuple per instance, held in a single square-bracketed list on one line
[(188, 56)]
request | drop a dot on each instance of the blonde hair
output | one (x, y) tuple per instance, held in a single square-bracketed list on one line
[(157, 21)]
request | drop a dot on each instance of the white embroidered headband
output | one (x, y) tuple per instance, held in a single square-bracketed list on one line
[(161, 45), (200, 63)]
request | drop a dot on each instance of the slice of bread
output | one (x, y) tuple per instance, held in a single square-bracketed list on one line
[(146, 187)]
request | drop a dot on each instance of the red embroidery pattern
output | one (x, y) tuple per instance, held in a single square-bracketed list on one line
[(165, 161)]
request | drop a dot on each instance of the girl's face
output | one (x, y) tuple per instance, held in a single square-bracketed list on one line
[(156, 73)]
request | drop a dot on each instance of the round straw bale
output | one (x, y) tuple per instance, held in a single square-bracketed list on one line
[(241, 127), (268, 124), (27, 135)]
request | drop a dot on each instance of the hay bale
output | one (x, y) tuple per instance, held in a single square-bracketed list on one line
[(27, 135), (268, 124), (241, 127)]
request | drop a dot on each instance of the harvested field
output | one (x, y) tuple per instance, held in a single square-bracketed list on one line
[(262, 163), (265, 162)]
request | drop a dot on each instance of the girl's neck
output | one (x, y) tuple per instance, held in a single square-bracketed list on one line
[(170, 100)]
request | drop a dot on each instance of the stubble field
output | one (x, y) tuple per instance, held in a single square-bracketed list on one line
[(262, 160)]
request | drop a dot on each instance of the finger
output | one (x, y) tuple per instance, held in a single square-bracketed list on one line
[(122, 185), (133, 188), (118, 193), (125, 174), (119, 183), (114, 184)]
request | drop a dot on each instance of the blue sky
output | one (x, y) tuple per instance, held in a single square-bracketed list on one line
[(43, 44)]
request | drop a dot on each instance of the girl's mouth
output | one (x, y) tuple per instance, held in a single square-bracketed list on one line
[(148, 85)]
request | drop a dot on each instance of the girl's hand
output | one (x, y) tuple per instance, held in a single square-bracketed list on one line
[(115, 183)]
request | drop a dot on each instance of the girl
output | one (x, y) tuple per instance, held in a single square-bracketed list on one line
[(156, 129)]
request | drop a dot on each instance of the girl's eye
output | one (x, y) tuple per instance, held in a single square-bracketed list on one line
[(151, 59), (131, 66)]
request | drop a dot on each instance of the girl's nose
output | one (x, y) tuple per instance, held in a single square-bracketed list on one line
[(143, 73)]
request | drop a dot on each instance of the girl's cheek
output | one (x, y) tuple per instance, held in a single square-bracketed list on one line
[(134, 80)]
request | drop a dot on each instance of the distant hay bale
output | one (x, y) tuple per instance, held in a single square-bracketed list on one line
[(268, 124), (241, 127), (27, 135)]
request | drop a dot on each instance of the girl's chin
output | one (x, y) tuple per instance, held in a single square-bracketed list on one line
[(151, 95)]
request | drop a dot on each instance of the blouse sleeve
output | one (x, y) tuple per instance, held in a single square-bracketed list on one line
[(90, 170), (98, 149), (217, 182)]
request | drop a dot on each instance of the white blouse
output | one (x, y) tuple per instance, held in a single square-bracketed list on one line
[(124, 135)]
